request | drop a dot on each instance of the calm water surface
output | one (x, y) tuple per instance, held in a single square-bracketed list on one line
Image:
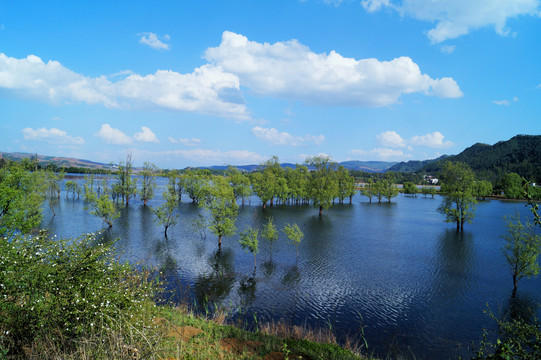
[(416, 286)]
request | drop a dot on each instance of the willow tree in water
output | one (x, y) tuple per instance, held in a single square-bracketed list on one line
[(459, 203), (323, 186), (148, 183), (218, 198)]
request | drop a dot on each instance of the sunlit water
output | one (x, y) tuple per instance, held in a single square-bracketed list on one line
[(396, 270)]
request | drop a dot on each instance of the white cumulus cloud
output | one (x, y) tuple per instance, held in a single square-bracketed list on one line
[(275, 137), (455, 18), (113, 136), (152, 40), (432, 140), (505, 102), (145, 135), (207, 157), (391, 139), (207, 90), (384, 154), (185, 141), (290, 70), (53, 135)]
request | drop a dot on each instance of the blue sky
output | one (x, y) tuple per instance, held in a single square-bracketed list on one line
[(195, 83)]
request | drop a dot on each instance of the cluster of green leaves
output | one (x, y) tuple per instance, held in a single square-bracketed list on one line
[(249, 241), (382, 188), (522, 249), (322, 185), (148, 183), (219, 200), (102, 204), (249, 238), (294, 234), (64, 289), (458, 206), (165, 213), (21, 197)]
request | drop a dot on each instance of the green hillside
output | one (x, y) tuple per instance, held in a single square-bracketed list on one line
[(520, 154)]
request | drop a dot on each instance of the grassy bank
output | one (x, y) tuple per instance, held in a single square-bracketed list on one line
[(72, 299)]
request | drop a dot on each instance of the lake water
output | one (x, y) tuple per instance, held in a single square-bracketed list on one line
[(397, 270)]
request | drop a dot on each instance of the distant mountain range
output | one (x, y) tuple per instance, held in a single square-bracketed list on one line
[(520, 154), (57, 160), (368, 166)]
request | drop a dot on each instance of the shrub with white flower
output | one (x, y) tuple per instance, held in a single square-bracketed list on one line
[(68, 287)]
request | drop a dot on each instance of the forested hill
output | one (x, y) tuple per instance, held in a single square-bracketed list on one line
[(413, 165), (520, 154)]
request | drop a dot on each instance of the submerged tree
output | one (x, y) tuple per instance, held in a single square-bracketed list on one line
[(482, 189), (164, 214), (322, 186), (148, 183), (294, 234), (270, 233), (102, 205), (239, 182), (219, 200), (459, 203), (127, 185), (521, 250), (368, 189), (249, 242), (73, 187)]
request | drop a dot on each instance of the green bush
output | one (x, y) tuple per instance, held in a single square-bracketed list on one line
[(61, 290)]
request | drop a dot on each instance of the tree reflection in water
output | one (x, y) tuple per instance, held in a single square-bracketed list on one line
[(212, 287)]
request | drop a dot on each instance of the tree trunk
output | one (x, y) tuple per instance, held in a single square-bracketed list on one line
[(514, 284), (220, 241), (320, 210)]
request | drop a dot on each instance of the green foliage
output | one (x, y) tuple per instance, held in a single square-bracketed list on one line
[(428, 190), (54, 182), (148, 182), (322, 186), (195, 183), (64, 289), (459, 203), (512, 186), (294, 234), (388, 189), (102, 205), (518, 339), (249, 242), (522, 249), (270, 233), (482, 189), (297, 183), (369, 189), (346, 184), (410, 188), (220, 201), (21, 197), (239, 182), (126, 186), (73, 187), (520, 154), (164, 214), (269, 182)]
